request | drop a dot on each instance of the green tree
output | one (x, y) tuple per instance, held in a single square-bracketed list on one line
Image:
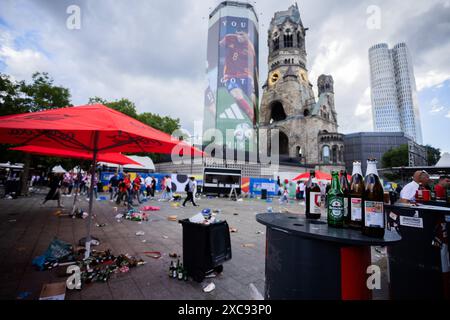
[(42, 94), (433, 155), (11, 99), (396, 157), (123, 105), (165, 124)]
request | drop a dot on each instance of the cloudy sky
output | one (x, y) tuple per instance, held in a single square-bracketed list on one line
[(153, 52)]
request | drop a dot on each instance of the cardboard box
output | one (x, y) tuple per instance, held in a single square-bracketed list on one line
[(53, 291)]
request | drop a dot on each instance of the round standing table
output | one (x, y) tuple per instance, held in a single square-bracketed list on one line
[(307, 259)]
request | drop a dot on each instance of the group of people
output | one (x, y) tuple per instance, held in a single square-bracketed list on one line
[(421, 179), (126, 190)]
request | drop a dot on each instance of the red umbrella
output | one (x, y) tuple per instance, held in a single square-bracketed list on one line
[(319, 176), (90, 128), (116, 158)]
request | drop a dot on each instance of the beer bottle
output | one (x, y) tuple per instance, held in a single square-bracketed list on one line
[(345, 187), (355, 197), (171, 269), (175, 270), (180, 272), (335, 200), (312, 198), (373, 222)]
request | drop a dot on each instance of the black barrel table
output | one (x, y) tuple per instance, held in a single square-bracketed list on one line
[(308, 260)]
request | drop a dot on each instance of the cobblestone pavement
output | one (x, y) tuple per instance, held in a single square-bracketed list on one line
[(27, 227)]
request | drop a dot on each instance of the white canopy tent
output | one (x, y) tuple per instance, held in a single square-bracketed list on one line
[(444, 161), (58, 169)]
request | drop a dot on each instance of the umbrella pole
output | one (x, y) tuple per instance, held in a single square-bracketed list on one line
[(91, 195)]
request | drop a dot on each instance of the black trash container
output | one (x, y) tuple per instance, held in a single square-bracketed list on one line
[(205, 247), (418, 265), (263, 194)]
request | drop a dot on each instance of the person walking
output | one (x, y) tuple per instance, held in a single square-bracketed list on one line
[(153, 187), (114, 187), (302, 190), (148, 186), (137, 188), (55, 190), (190, 188)]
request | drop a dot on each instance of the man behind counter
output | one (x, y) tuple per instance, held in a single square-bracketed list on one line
[(441, 187), (408, 193)]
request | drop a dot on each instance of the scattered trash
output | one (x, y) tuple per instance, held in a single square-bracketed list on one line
[(79, 213), (102, 198), (144, 241), (211, 275), (57, 251), (115, 208), (94, 242), (119, 216), (172, 218), (217, 211), (240, 200), (136, 215), (175, 204), (53, 291), (233, 230), (153, 254), (248, 245), (174, 255), (23, 295), (210, 287), (124, 269), (235, 214), (165, 237), (254, 293), (140, 233), (100, 225), (150, 208), (270, 210), (259, 232)]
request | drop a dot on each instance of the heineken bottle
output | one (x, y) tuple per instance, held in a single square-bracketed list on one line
[(180, 272), (373, 221), (335, 203)]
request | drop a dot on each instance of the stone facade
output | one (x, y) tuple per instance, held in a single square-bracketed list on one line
[(307, 128)]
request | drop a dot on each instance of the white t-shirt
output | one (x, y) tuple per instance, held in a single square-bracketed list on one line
[(148, 181), (169, 183), (409, 191), (302, 187)]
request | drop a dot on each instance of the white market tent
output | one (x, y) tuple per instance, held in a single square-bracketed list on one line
[(444, 161), (146, 164), (9, 165), (58, 169)]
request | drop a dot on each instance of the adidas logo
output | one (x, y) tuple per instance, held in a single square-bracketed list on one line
[(233, 112)]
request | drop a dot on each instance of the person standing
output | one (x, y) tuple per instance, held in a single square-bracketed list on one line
[(55, 190), (190, 188), (302, 190), (137, 188), (113, 186), (148, 186), (153, 187), (408, 193), (441, 188), (169, 187)]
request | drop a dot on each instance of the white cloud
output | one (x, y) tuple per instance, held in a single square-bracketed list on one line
[(436, 107), (448, 115)]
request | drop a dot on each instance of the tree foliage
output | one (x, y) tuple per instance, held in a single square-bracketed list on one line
[(396, 157), (433, 155)]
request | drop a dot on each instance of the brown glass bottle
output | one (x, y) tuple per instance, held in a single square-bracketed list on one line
[(345, 187), (355, 197), (373, 219), (312, 198)]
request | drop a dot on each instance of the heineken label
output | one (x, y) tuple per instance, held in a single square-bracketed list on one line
[(355, 209), (314, 202), (336, 208), (374, 214)]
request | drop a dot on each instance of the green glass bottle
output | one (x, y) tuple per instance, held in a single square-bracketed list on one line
[(335, 203)]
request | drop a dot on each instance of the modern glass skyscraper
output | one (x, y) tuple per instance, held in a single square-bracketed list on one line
[(395, 105)]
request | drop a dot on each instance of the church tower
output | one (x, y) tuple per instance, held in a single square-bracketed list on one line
[(288, 103)]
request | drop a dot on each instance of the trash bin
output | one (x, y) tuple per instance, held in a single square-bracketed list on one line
[(263, 194), (205, 247), (419, 264)]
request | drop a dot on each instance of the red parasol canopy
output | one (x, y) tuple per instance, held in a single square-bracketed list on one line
[(319, 176), (88, 128), (116, 158)]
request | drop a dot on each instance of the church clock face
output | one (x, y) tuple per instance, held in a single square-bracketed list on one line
[(274, 77), (303, 75)]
